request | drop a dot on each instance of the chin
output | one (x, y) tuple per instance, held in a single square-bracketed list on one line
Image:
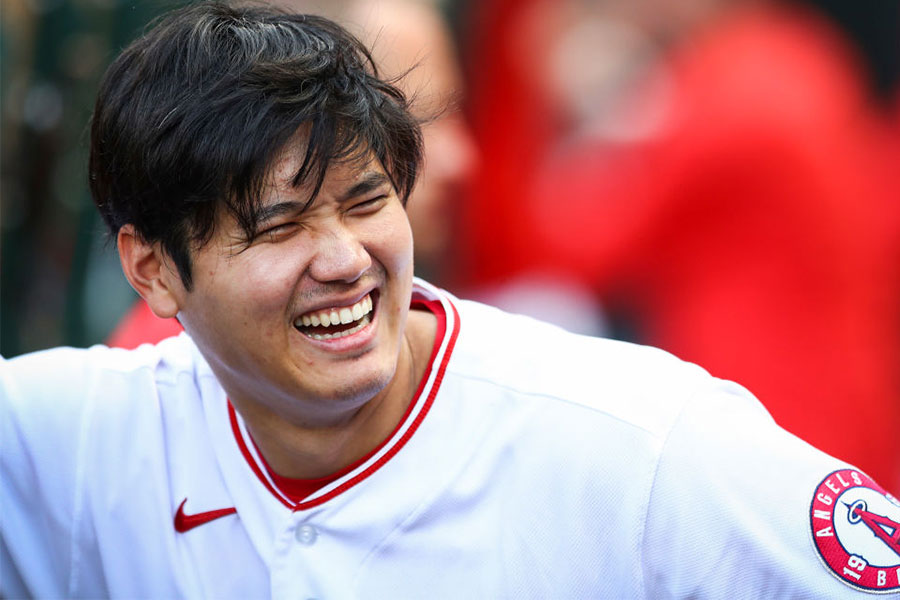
[(359, 390)]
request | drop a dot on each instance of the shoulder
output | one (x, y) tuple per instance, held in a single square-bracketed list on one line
[(716, 489), (716, 494), (640, 385), (734, 496), (51, 388), (57, 367)]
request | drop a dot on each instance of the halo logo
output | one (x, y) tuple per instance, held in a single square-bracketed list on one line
[(856, 529)]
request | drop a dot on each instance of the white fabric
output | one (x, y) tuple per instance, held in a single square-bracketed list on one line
[(549, 465)]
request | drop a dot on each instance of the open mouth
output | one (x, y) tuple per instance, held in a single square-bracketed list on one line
[(337, 322)]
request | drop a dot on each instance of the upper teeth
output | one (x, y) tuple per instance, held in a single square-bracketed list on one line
[(335, 316)]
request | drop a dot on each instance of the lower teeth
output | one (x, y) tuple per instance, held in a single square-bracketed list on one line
[(330, 336)]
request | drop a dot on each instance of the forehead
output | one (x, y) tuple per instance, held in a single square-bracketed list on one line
[(284, 174)]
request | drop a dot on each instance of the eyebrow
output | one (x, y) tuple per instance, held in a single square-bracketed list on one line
[(369, 182), (267, 213)]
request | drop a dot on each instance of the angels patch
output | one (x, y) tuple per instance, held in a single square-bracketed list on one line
[(856, 529)]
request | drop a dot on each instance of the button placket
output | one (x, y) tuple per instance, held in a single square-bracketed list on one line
[(306, 534)]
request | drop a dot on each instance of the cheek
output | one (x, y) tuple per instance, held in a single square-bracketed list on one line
[(391, 241), (270, 278), (241, 300)]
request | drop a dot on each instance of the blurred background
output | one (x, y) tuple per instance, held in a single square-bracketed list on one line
[(719, 178)]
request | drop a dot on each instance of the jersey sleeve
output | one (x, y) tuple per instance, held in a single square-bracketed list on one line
[(42, 413), (729, 510)]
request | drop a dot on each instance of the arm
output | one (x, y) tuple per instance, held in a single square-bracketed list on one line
[(732, 511)]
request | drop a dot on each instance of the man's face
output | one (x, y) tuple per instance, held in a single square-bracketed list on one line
[(271, 317)]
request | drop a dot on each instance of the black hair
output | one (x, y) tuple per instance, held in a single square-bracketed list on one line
[(191, 115)]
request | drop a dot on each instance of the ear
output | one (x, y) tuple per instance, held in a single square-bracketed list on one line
[(150, 272)]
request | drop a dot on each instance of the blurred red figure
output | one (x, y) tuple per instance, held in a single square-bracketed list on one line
[(141, 326), (745, 214)]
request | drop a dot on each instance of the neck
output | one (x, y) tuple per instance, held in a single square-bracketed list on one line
[(313, 450)]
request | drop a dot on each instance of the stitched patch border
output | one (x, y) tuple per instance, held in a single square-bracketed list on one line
[(855, 528)]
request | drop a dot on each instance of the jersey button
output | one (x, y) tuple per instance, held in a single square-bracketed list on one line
[(306, 535)]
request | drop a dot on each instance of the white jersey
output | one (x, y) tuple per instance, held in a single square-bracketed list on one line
[(532, 463)]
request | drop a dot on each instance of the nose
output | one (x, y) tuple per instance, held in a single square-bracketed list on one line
[(340, 256)]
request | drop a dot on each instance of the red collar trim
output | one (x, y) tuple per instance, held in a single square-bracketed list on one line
[(317, 491)]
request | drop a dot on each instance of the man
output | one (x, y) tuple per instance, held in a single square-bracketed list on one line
[(330, 427)]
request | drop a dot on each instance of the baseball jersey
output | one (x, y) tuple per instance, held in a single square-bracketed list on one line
[(531, 463)]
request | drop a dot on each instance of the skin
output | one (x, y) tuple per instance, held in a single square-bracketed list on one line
[(312, 406)]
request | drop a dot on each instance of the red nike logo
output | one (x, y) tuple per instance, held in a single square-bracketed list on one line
[(185, 522)]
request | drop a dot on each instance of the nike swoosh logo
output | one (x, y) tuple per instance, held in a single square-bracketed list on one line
[(185, 522)]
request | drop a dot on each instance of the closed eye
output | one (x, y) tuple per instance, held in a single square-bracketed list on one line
[(369, 206), (276, 220), (276, 233)]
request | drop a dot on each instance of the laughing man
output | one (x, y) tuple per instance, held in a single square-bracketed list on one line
[(329, 426)]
